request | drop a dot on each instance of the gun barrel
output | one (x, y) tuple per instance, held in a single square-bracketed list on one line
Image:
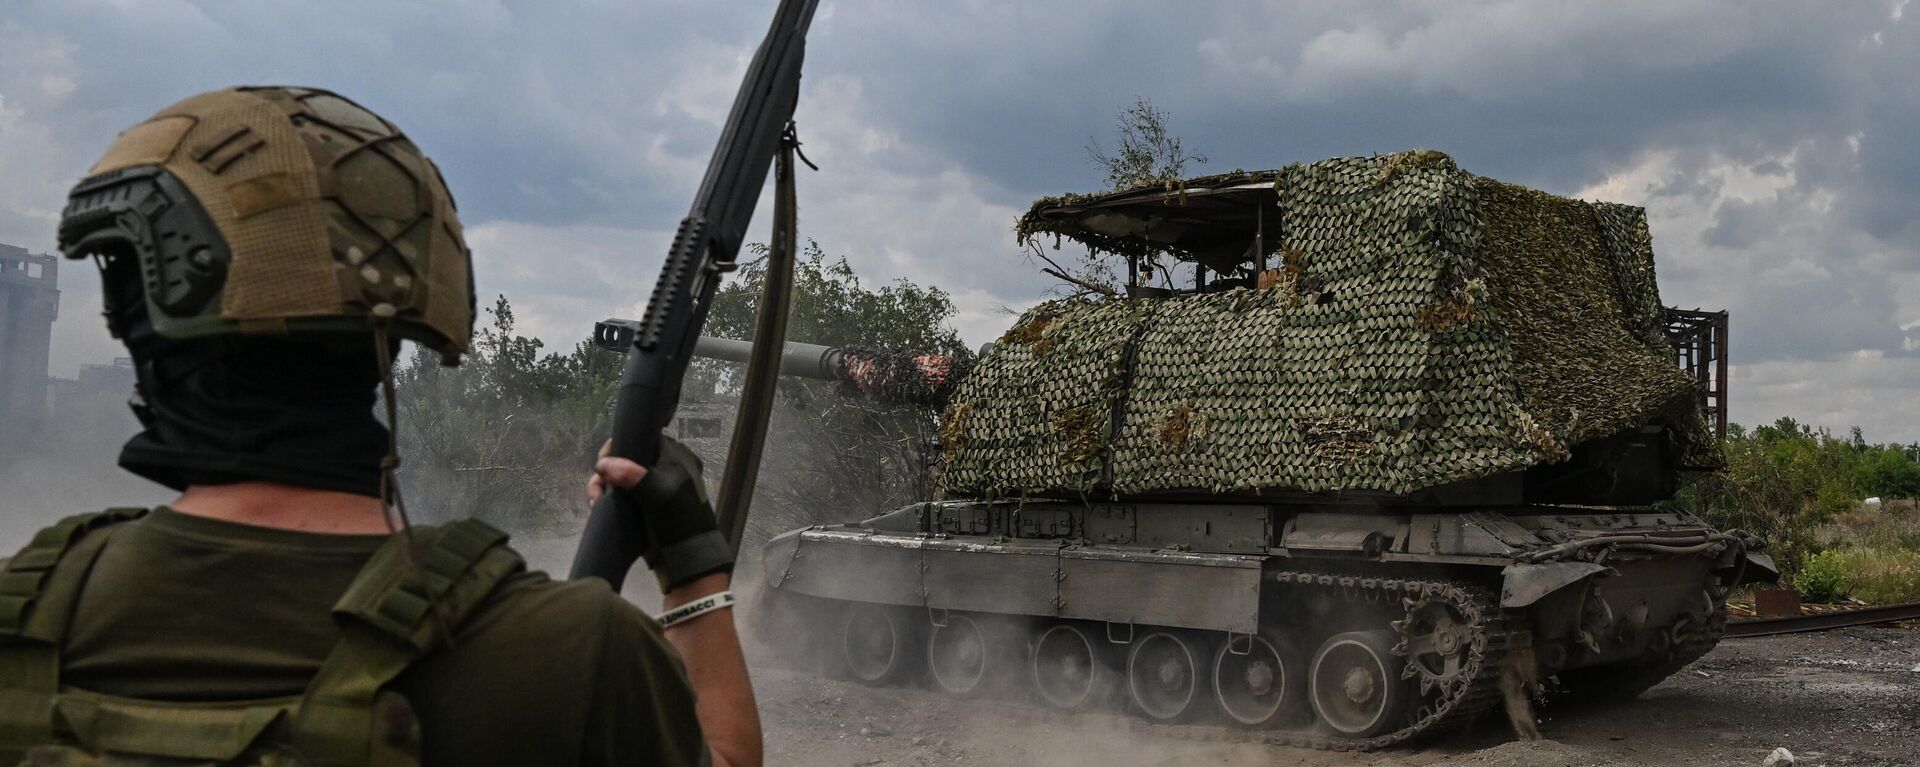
[(796, 359), (909, 378)]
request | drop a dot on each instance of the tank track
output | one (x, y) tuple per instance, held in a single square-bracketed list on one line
[(1495, 634)]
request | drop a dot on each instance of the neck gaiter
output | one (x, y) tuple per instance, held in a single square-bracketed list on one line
[(228, 410)]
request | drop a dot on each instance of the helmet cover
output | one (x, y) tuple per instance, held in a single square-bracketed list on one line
[(279, 210)]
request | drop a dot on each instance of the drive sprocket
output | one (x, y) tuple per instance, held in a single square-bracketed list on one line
[(1437, 642)]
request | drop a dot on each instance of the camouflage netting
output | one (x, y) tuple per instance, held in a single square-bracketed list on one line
[(1428, 326)]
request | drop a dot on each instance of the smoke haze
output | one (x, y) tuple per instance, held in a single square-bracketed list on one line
[(66, 464)]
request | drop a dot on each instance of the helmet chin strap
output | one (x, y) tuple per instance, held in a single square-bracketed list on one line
[(390, 464)]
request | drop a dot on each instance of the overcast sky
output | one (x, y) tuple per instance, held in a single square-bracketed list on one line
[(1773, 144)]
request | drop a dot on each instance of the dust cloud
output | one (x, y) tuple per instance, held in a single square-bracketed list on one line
[(814, 473), (66, 464)]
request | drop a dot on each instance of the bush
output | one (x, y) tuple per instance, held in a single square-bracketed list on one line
[(1791, 483), (508, 435), (1873, 575), (1822, 577), (1891, 526)]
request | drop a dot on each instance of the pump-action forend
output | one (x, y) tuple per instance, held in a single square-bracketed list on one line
[(906, 378)]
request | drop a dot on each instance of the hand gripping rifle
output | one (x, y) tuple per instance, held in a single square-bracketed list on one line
[(661, 342)]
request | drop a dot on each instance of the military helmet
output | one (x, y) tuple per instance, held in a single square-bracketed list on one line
[(278, 210)]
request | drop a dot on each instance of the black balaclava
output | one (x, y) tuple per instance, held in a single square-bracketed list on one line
[(296, 411)]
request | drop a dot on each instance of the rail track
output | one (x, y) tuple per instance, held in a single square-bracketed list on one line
[(1863, 616)]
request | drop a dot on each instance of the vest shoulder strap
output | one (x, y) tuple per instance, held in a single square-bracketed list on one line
[(405, 603), (36, 597), (415, 587), (38, 590)]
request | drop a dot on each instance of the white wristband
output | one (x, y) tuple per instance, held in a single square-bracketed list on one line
[(696, 608)]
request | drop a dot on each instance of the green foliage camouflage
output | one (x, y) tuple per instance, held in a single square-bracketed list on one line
[(1432, 326)]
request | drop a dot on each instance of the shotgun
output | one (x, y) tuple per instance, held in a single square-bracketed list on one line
[(704, 248)]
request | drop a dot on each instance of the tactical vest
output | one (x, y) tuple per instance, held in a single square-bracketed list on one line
[(397, 610)]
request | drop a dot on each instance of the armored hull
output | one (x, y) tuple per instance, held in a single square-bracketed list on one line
[(1356, 627), (1407, 446)]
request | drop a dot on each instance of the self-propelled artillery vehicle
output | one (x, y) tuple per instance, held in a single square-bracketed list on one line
[(1402, 433)]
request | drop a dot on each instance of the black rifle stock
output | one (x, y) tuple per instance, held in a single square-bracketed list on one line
[(704, 247)]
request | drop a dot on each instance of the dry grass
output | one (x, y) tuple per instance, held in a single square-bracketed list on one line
[(1083, 429), (1871, 553), (1891, 525)]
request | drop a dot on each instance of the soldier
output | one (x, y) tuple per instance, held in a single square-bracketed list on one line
[(263, 251)]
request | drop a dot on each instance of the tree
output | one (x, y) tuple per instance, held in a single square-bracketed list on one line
[(830, 305), (1781, 481), (507, 435), (1889, 473), (1147, 153), (1786, 481)]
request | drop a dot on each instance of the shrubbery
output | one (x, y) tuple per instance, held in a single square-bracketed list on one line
[(1822, 578), (507, 436), (1803, 489)]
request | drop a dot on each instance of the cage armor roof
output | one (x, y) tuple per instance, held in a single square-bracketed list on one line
[(279, 210), (398, 610)]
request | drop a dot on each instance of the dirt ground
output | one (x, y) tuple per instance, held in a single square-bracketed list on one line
[(1847, 697)]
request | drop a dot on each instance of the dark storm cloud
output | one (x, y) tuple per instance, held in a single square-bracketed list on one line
[(1558, 96), (535, 108), (1769, 141)]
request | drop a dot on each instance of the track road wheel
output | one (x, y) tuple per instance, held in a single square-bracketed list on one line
[(1252, 681), (1166, 675), (1355, 685), (877, 643), (957, 655), (1067, 668)]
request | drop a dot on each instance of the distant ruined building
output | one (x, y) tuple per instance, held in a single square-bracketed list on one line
[(29, 301), (97, 384)]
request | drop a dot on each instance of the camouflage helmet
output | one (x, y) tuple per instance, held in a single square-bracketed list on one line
[(278, 210)]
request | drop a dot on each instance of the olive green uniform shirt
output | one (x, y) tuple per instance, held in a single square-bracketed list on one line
[(192, 609)]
